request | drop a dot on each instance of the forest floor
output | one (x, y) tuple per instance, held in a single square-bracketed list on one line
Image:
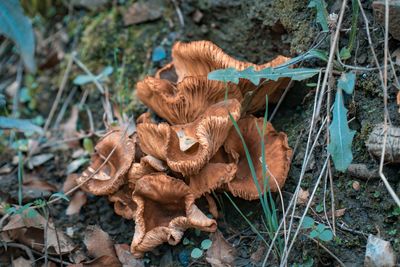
[(254, 31)]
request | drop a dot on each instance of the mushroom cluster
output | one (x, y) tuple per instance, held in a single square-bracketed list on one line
[(154, 175)]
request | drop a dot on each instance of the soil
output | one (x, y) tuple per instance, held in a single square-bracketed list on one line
[(255, 31)]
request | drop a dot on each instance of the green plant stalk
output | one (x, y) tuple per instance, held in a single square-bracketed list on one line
[(354, 20), (246, 219)]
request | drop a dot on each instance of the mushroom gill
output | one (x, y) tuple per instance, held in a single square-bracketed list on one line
[(187, 148), (112, 174), (165, 209), (277, 156), (123, 203), (183, 102)]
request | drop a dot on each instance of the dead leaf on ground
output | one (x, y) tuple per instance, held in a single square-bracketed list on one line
[(39, 160), (303, 196), (29, 230), (21, 262), (125, 256), (70, 182), (98, 242), (35, 187), (221, 253), (338, 213), (140, 12), (77, 201)]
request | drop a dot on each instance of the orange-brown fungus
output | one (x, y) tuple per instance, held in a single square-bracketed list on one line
[(165, 209), (180, 91), (123, 203), (154, 176), (187, 148), (108, 177), (277, 156)]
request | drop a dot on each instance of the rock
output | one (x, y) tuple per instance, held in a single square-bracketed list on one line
[(394, 16), (143, 11), (376, 139), (379, 253)]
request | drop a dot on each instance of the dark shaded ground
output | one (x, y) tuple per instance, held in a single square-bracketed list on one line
[(252, 30)]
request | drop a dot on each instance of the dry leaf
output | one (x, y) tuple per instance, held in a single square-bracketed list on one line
[(98, 242), (338, 213), (125, 256), (303, 196), (69, 127), (77, 201), (39, 160), (31, 181), (221, 253), (258, 255), (70, 182), (21, 262), (29, 230)]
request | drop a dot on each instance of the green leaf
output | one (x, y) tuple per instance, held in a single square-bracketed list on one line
[(320, 228), (308, 222), (59, 195), (196, 253), (347, 82), (16, 26), (326, 235), (341, 137), (344, 53), (84, 79), (233, 75), (314, 234), (185, 241), (206, 244), (19, 124), (322, 14), (319, 208), (88, 145)]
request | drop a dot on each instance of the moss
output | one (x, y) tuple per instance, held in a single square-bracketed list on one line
[(291, 15)]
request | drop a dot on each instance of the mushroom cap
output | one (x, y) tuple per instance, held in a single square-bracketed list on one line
[(198, 58), (211, 177), (277, 152), (187, 148), (165, 209), (186, 101), (123, 203), (112, 175), (148, 165)]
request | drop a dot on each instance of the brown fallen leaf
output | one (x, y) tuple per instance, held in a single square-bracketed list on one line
[(68, 128), (21, 262), (338, 213), (98, 242), (70, 182), (221, 253), (77, 201), (258, 255), (29, 230), (144, 11), (303, 196), (126, 257), (32, 181)]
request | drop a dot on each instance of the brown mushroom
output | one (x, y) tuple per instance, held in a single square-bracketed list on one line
[(201, 57), (148, 165), (211, 177), (123, 203), (277, 156), (186, 101), (112, 175), (165, 209), (187, 148)]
